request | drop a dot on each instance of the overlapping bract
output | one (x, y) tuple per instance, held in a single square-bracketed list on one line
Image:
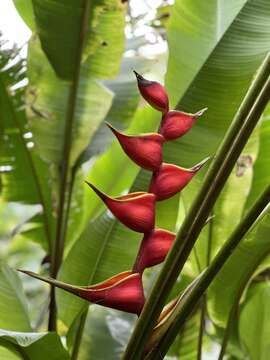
[(175, 124), (154, 248), (135, 210), (124, 291), (170, 179)]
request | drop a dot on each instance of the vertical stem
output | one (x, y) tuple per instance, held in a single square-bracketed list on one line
[(204, 299), (79, 334), (65, 174), (201, 331)]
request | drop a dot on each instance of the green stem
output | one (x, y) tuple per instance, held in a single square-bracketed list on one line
[(79, 334), (217, 175), (204, 300), (201, 330), (190, 301), (65, 179)]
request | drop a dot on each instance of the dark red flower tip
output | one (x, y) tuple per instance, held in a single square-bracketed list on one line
[(176, 123), (123, 291), (154, 93), (145, 150), (170, 179), (154, 249), (135, 210)]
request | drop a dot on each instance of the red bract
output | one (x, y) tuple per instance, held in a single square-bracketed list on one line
[(135, 210), (145, 150), (170, 179), (123, 291), (176, 123), (154, 248), (154, 93)]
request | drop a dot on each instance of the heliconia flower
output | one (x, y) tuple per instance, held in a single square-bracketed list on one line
[(175, 124), (145, 150), (154, 249), (135, 210), (123, 291), (170, 179), (154, 93)]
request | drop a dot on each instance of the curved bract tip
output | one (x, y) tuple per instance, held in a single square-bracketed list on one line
[(138, 76), (200, 112), (114, 130), (198, 166), (154, 93), (101, 194)]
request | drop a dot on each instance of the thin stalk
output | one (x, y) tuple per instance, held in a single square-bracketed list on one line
[(79, 334), (210, 238), (52, 323), (200, 209), (226, 251), (65, 177), (204, 300), (202, 327), (228, 329)]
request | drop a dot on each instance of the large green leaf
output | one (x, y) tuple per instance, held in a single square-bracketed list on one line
[(19, 183), (230, 206), (23, 174), (60, 25), (238, 270), (48, 98), (34, 346), (221, 84), (13, 308), (195, 28), (254, 324)]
